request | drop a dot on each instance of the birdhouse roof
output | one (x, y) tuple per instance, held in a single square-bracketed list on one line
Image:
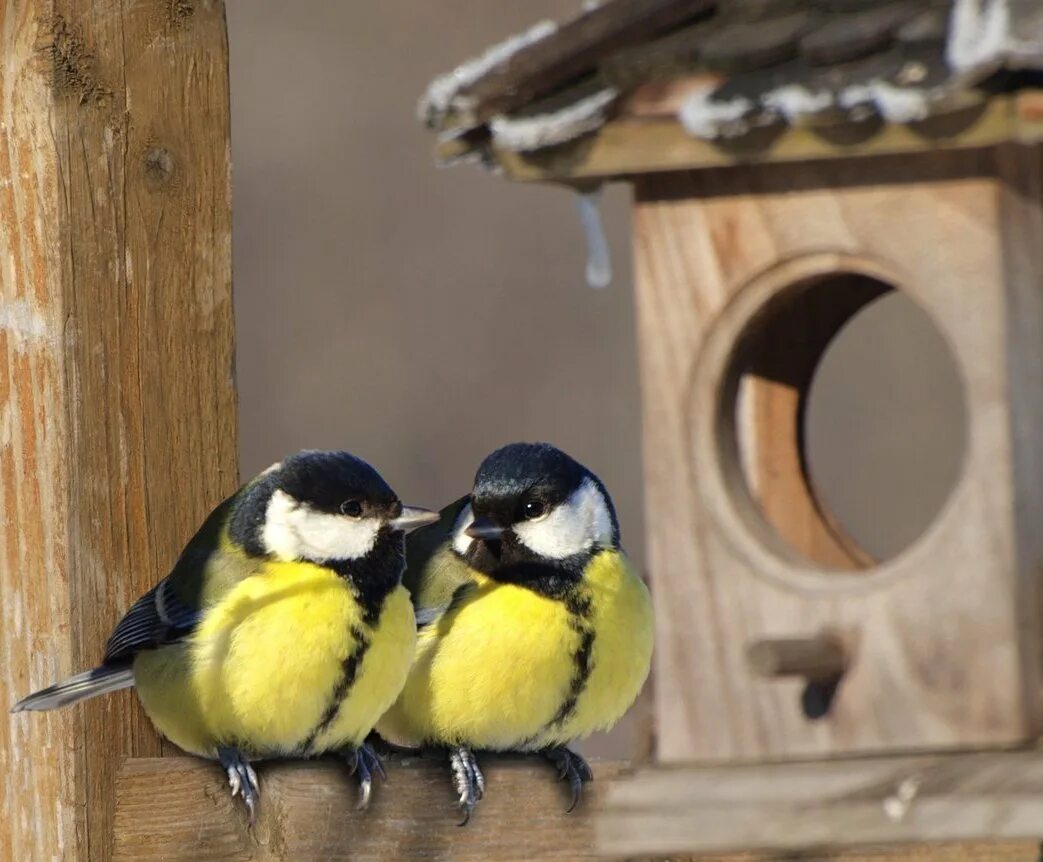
[(636, 85)]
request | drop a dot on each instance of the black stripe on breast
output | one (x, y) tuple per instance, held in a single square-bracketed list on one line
[(578, 606), (349, 673), (580, 675)]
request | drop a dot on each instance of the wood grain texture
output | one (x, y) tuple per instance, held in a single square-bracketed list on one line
[(180, 810), (116, 392), (37, 763), (944, 638), (772, 377), (978, 800)]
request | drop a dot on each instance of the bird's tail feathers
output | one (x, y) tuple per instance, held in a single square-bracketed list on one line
[(100, 680)]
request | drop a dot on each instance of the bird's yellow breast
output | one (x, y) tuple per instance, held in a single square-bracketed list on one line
[(624, 630), (495, 671), (264, 666)]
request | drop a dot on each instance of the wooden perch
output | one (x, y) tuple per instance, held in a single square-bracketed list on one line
[(180, 810), (815, 659), (836, 803)]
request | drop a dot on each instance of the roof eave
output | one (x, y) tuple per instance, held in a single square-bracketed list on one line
[(630, 145)]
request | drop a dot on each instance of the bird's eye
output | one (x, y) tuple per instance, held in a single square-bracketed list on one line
[(351, 508), (533, 509)]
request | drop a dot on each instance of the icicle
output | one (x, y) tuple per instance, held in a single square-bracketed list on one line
[(599, 264)]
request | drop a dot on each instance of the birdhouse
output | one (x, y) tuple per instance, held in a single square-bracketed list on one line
[(791, 164)]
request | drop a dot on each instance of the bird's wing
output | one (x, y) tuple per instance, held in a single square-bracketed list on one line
[(172, 609), (433, 572)]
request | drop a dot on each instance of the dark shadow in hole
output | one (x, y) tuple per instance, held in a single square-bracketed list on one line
[(816, 699), (787, 338)]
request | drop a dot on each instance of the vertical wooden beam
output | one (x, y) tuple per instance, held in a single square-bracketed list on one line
[(117, 401), (1020, 172)]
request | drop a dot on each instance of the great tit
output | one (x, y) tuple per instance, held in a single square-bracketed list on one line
[(534, 628), (283, 628)]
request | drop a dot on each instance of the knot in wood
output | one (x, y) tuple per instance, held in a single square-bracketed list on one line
[(159, 166)]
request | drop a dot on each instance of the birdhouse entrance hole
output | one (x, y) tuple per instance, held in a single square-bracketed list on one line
[(841, 419)]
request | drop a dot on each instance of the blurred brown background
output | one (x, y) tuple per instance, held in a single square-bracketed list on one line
[(418, 317), (422, 317)]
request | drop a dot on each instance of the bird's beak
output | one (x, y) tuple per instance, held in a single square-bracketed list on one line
[(483, 528), (413, 517)]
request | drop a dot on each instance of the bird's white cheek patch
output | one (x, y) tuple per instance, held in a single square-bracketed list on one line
[(278, 536), (575, 526), (556, 536), (294, 531), (333, 537), (461, 541)]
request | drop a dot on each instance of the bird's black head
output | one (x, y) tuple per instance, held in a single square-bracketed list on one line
[(536, 517), (332, 482), (329, 508)]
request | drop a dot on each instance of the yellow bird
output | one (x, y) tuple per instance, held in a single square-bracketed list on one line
[(283, 629), (535, 630)]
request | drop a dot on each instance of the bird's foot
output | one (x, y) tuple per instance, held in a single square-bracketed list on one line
[(571, 767), (365, 763), (241, 779), (467, 779)]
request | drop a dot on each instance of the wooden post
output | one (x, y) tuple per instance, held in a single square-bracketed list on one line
[(117, 400)]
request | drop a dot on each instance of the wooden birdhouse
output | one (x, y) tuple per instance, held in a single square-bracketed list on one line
[(792, 163)]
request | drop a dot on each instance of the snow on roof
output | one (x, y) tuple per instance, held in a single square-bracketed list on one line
[(766, 63)]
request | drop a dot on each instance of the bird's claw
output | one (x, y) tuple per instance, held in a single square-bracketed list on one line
[(571, 767), (364, 762), (242, 780), (467, 779)]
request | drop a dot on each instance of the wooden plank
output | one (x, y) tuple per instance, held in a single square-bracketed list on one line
[(942, 637), (1020, 171), (118, 410), (572, 51), (638, 144), (37, 779), (180, 810), (807, 807)]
